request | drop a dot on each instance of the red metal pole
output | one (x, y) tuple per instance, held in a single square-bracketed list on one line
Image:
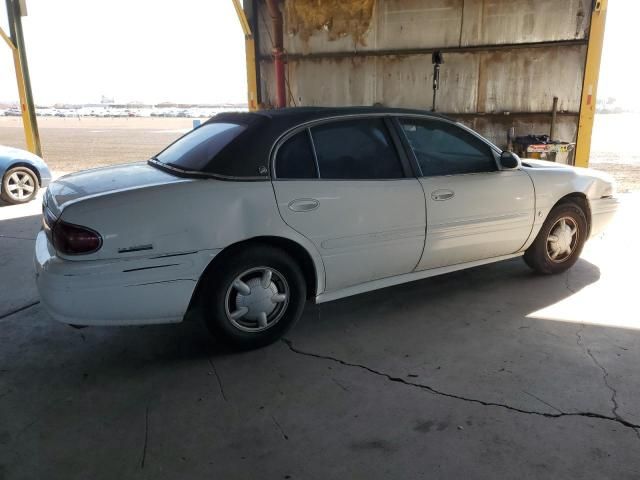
[(278, 52)]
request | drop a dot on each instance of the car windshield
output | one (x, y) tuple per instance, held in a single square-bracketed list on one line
[(196, 149)]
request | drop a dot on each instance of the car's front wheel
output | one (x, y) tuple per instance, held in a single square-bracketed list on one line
[(560, 240), (253, 296), (19, 185)]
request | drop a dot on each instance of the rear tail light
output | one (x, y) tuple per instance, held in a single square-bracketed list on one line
[(74, 239)]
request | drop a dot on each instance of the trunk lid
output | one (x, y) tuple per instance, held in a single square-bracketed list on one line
[(104, 181)]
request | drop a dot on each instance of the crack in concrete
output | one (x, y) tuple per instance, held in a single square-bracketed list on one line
[(477, 401), (284, 435), (18, 310), (339, 384), (146, 437), (605, 373), (215, 372), (542, 401)]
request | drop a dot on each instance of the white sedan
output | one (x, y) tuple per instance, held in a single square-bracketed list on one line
[(246, 217)]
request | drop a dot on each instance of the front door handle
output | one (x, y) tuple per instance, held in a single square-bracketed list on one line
[(304, 204), (440, 195)]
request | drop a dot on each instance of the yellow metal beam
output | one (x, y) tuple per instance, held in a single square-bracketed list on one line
[(244, 23), (590, 83), (250, 55), (16, 43), (6, 38), (33, 144)]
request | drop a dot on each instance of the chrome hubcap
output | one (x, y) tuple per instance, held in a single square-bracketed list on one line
[(257, 299), (562, 240), (20, 185)]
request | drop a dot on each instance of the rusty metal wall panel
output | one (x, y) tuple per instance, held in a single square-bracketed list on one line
[(417, 24), (395, 24), (428, 24), (518, 80), (263, 22), (402, 81), (352, 82), (526, 80), (407, 82), (490, 22)]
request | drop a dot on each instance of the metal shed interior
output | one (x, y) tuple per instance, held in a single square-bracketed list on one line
[(504, 60)]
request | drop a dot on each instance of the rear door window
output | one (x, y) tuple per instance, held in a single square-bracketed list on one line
[(295, 158), (356, 149)]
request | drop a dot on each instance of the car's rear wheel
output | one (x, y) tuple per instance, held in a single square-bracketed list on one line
[(253, 296), (560, 240), (19, 185)]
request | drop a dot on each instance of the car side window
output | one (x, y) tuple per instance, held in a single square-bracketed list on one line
[(359, 149), (442, 148), (295, 158)]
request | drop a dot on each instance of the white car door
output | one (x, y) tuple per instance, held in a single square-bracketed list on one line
[(474, 210), (345, 185)]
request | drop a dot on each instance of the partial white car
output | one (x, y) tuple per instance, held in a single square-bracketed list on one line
[(246, 217)]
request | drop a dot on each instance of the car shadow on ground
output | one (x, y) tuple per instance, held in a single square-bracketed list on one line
[(423, 310)]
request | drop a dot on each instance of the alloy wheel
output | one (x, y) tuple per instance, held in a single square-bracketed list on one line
[(20, 185)]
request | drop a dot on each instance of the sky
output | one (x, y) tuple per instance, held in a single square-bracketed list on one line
[(192, 51)]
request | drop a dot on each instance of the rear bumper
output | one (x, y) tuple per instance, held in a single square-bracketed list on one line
[(117, 292), (602, 212)]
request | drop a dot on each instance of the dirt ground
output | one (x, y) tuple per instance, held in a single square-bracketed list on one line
[(71, 144), (627, 175)]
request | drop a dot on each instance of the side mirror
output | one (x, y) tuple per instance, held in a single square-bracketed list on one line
[(509, 161)]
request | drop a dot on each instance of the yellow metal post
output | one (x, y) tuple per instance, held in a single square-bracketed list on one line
[(590, 83), (250, 54), (16, 43)]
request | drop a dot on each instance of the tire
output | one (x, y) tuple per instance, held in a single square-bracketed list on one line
[(19, 185), (224, 298), (555, 249)]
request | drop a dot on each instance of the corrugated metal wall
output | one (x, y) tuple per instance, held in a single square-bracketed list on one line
[(505, 60)]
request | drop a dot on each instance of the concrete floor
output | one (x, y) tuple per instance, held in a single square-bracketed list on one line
[(488, 373)]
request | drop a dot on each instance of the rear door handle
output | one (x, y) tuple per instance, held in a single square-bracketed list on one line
[(304, 204), (440, 195)]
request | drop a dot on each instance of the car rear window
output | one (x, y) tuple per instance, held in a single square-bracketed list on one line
[(196, 149)]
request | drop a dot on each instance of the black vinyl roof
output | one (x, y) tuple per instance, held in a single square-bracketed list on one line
[(285, 118), (247, 156)]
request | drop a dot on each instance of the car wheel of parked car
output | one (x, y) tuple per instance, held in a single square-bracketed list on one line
[(253, 297), (19, 185), (559, 243)]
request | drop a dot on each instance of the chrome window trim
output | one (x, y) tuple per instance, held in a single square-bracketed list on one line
[(182, 172)]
